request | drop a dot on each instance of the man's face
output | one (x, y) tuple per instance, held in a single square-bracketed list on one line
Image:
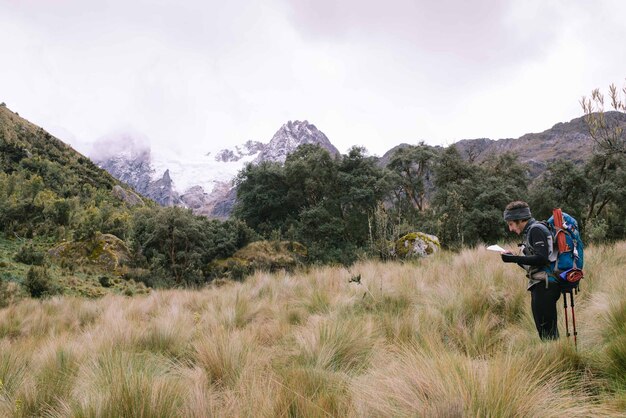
[(516, 226)]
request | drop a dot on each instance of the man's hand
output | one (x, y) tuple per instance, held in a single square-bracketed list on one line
[(506, 256)]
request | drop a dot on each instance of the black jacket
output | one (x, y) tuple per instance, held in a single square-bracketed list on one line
[(536, 252)]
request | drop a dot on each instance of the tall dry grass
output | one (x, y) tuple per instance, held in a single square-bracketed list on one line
[(447, 336)]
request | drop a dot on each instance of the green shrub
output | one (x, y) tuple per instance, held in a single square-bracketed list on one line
[(232, 268), (4, 297), (238, 271), (28, 254), (38, 283), (105, 281), (150, 278), (596, 230)]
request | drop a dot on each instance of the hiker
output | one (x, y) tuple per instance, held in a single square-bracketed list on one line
[(542, 284)]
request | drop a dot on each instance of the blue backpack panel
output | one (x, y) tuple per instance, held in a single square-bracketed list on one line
[(569, 263)]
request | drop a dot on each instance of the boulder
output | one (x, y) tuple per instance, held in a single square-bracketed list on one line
[(105, 251), (416, 244)]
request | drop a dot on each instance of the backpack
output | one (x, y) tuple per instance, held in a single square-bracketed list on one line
[(567, 256)]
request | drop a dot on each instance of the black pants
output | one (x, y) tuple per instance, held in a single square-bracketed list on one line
[(543, 303)]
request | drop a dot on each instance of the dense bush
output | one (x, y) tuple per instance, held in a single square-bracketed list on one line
[(39, 283), (177, 245), (105, 281), (28, 254), (324, 202), (340, 208)]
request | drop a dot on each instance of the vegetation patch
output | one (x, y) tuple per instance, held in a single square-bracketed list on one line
[(104, 251), (260, 255)]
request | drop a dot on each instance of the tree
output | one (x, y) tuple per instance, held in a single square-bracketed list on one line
[(455, 181), (413, 165), (469, 199), (564, 185), (171, 240), (606, 174), (363, 185), (311, 174), (263, 200), (451, 168), (606, 167), (502, 179), (324, 235), (88, 224), (178, 245), (606, 128)]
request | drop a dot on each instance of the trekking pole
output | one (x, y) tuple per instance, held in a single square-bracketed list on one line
[(571, 294), (565, 309)]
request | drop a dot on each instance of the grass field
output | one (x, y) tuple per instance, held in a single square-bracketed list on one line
[(445, 337)]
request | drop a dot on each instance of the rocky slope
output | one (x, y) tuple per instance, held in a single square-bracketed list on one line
[(134, 167), (569, 141)]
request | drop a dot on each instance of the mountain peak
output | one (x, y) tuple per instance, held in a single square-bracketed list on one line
[(290, 136)]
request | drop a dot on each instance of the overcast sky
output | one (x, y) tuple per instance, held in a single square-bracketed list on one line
[(204, 74)]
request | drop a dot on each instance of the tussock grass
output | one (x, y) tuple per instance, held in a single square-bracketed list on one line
[(223, 354), (12, 370), (433, 381), (124, 384), (313, 392), (451, 335), (334, 344), (55, 372)]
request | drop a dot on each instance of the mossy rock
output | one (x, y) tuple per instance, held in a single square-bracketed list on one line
[(260, 255), (105, 251), (416, 244)]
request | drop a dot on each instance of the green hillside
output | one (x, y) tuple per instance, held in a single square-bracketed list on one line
[(69, 227), (29, 147)]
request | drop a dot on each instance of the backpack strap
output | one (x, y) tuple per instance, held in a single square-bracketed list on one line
[(552, 255)]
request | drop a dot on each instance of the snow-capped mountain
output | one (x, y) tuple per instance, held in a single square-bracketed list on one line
[(240, 152), (202, 182), (289, 137)]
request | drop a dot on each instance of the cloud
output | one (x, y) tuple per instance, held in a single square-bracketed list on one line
[(473, 34), (198, 75), (125, 140)]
